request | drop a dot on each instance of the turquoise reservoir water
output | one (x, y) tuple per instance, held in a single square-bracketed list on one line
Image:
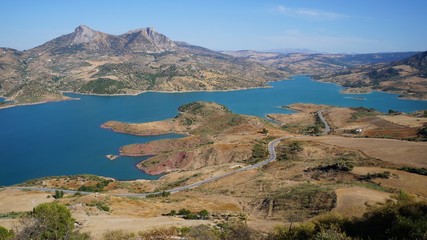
[(64, 138)]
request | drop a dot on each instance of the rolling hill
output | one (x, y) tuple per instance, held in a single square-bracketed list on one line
[(406, 77)]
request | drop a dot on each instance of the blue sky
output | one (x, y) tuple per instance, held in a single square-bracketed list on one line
[(358, 26)]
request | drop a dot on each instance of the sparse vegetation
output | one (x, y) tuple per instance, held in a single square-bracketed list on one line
[(12, 215), (363, 112), (301, 202), (99, 186), (104, 86), (6, 234), (403, 220), (370, 176), (264, 131), (49, 221), (339, 166), (58, 194), (160, 194), (422, 133), (289, 151), (100, 205), (259, 152), (421, 171), (187, 214)]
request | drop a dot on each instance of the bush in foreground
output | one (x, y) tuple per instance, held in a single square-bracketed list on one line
[(404, 220), (6, 234), (49, 221)]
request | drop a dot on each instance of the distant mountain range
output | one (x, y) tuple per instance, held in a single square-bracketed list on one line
[(404, 73), (315, 63), (144, 40), (89, 61), (93, 62), (407, 77), (292, 50)]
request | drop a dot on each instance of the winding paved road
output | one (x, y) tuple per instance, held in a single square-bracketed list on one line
[(327, 128), (271, 150)]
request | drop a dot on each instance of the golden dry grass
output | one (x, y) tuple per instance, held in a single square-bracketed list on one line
[(13, 200), (405, 120), (399, 152), (353, 201), (409, 182)]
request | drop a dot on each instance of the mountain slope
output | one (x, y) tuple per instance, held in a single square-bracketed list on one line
[(316, 63), (89, 61), (86, 39), (407, 77)]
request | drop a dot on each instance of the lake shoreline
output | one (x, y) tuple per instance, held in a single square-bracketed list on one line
[(85, 148), (127, 94), (344, 91)]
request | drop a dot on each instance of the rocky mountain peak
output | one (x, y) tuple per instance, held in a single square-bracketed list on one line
[(147, 40), (150, 31), (84, 34), (83, 28), (85, 39)]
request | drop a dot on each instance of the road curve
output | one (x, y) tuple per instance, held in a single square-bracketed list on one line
[(272, 157), (327, 127)]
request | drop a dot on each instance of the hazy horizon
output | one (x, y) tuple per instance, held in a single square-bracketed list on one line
[(329, 26)]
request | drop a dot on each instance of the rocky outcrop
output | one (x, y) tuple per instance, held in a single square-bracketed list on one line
[(147, 40), (91, 41)]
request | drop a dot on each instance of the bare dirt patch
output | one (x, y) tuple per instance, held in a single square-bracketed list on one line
[(353, 201), (13, 200)]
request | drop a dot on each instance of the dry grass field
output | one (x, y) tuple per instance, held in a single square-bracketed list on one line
[(394, 151)]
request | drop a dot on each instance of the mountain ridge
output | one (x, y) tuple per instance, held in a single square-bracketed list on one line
[(84, 38), (94, 62), (406, 77)]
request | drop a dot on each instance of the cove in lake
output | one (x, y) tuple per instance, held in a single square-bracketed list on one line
[(65, 138)]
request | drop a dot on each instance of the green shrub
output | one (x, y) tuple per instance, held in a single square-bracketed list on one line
[(47, 221), (58, 194), (204, 214), (191, 216), (406, 220), (402, 220), (340, 166), (98, 187), (6, 234), (104, 86), (421, 171), (370, 176), (259, 152), (290, 151), (300, 232), (184, 211)]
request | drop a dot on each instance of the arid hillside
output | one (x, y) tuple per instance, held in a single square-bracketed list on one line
[(214, 136), (406, 77), (93, 62), (339, 176)]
